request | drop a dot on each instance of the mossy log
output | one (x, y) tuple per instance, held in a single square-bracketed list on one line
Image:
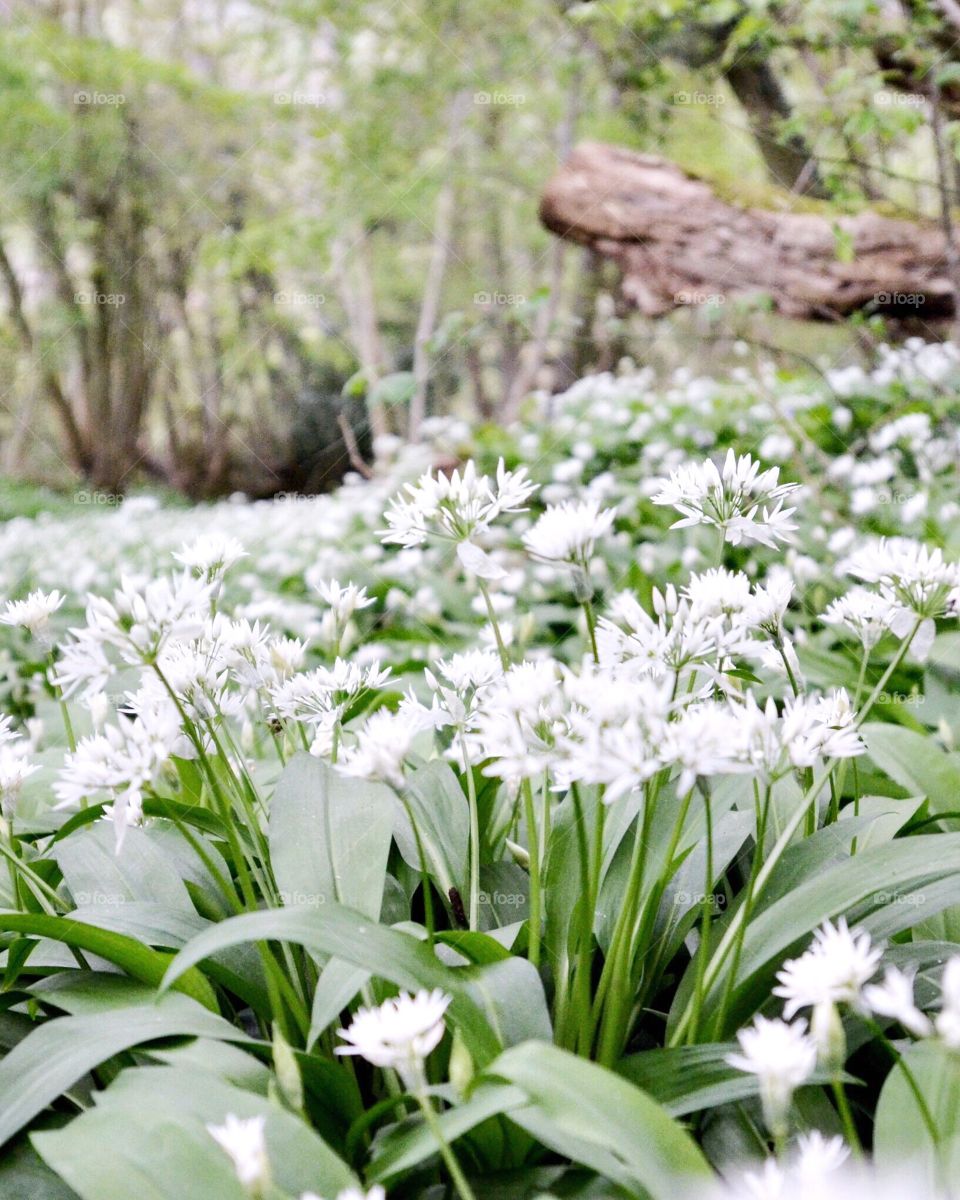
[(678, 242)]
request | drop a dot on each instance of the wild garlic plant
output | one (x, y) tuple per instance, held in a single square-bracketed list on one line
[(488, 824)]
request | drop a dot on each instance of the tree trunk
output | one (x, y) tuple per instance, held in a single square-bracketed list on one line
[(788, 161), (678, 243)]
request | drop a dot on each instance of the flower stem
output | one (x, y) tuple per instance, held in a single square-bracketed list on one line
[(464, 1189), (498, 637), (473, 914), (534, 851)]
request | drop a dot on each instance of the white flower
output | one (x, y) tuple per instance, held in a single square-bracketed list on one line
[(343, 601), (833, 970), (894, 998), (783, 1057), (401, 1033), (568, 532), (458, 682), (516, 723), (863, 612), (383, 744), (741, 500), (140, 620), (454, 507), (817, 1157), (243, 1140), (948, 1019), (119, 763), (211, 555), (83, 666), (14, 769), (314, 695), (910, 575), (34, 613)]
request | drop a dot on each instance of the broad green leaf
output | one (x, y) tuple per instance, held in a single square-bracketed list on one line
[(900, 1133), (387, 953), (885, 889), (99, 877), (329, 837), (404, 1148), (59, 1052), (918, 764), (138, 961), (578, 1108), (439, 808), (24, 1176), (147, 1137)]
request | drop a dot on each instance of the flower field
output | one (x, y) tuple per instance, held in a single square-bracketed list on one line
[(569, 811)]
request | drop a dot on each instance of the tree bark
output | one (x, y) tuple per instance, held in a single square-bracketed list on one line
[(789, 161), (678, 243)]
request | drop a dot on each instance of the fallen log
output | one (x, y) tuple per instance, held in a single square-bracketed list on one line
[(678, 242)]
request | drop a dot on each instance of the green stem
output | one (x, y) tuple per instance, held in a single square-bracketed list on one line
[(464, 1190), (473, 914), (614, 992), (730, 936), (705, 918), (501, 648), (591, 627), (424, 873), (761, 831), (884, 678), (533, 850), (846, 1117)]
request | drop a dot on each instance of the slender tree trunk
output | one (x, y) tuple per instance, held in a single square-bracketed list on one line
[(789, 161), (943, 180), (433, 287)]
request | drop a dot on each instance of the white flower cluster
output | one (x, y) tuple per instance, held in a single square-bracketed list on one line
[(832, 976)]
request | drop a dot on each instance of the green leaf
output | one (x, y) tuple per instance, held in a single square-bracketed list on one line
[(403, 1148), (98, 877), (440, 810), (59, 1052), (585, 1112), (918, 764), (24, 1176), (330, 837), (138, 961), (387, 953), (885, 889), (147, 1137), (900, 1133)]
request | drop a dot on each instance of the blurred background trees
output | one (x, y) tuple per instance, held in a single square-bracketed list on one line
[(240, 240)]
